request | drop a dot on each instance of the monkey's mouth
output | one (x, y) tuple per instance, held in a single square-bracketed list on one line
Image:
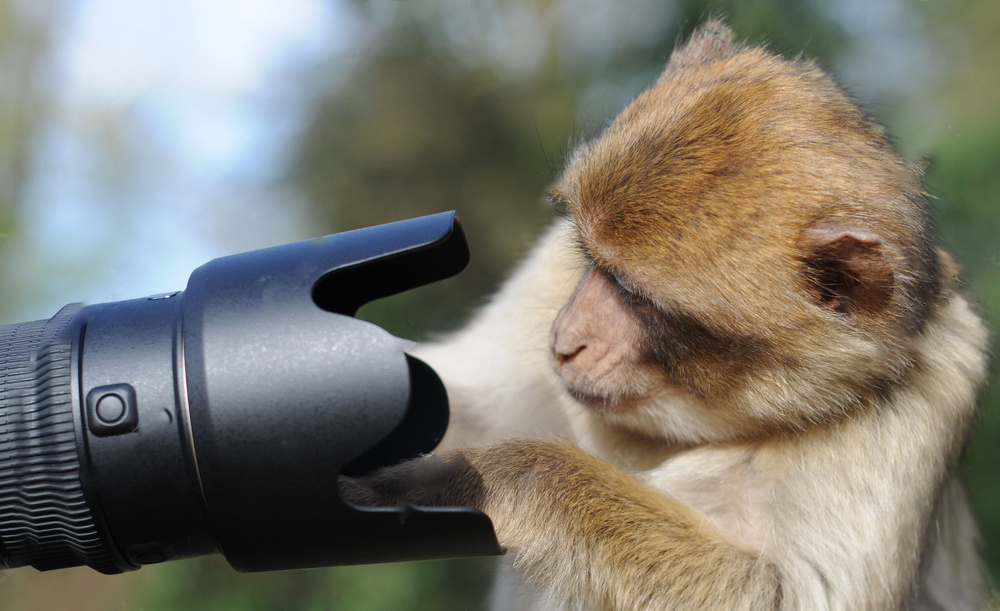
[(611, 404)]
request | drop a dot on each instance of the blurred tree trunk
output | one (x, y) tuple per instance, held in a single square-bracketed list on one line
[(26, 35)]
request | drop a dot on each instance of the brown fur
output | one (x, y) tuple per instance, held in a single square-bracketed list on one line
[(765, 359), (726, 164)]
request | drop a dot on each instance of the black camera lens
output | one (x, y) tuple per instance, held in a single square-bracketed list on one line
[(218, 418)]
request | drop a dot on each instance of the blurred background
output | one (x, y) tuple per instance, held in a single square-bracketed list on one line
[(141, 139)]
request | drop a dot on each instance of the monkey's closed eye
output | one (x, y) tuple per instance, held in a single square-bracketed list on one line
[(624, 285)]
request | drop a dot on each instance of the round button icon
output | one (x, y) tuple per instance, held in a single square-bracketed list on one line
[(112, 410)]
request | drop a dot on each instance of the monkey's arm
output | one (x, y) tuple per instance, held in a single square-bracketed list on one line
[(593, 537), (496, 368)]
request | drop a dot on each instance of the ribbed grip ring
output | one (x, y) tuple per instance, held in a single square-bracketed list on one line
[(44, 518)]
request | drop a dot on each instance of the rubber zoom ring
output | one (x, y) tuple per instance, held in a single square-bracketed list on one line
[(45, 520)]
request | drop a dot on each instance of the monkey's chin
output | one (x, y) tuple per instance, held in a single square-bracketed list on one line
[(606, 404)]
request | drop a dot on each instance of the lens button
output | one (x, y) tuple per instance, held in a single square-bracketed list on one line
[(112, 410)]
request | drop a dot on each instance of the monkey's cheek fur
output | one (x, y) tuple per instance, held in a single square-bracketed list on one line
[(606, 404), (611, 388), (626, 390)]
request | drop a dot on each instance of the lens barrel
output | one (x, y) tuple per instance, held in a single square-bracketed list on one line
[(218, 418), (45, 518)]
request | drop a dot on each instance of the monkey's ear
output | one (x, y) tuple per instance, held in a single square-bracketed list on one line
[(848, 270), (712, 40)]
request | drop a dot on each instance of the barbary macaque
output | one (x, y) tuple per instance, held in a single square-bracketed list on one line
[(736, 377)]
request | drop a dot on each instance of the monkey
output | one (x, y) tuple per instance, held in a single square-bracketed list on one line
[(738, 375)]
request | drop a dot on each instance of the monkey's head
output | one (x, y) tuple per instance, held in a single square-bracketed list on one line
[(759, 256)]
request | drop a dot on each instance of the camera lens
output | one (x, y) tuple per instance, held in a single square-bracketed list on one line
[(219, 418)]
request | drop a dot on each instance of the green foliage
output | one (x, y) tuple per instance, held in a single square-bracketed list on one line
[(966, 172), (407, 136), (208, 584)]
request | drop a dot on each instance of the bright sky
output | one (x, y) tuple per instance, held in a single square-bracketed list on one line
[(193, 103)]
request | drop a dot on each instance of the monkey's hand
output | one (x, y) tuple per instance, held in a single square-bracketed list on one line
[(422, 481), (587, 533)]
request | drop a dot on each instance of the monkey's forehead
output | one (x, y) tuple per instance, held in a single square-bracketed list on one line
[(708, 140), (746, 149)]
